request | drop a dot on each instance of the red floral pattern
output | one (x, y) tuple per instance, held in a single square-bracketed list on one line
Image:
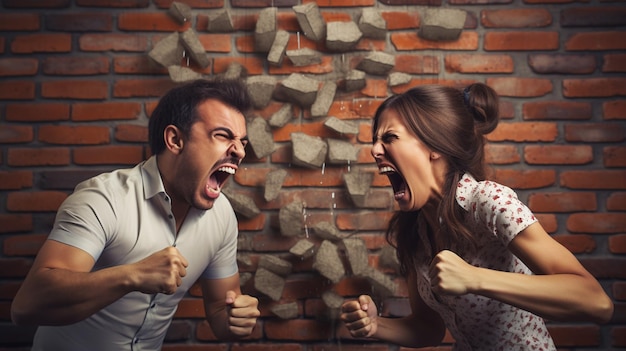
[(477, 322)]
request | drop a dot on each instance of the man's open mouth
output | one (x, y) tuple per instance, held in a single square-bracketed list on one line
[(397, 181), (219, 177)]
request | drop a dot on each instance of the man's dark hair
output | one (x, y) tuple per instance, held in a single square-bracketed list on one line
[(178, 106)]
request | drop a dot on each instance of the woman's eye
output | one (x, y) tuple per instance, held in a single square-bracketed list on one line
[(387, 138)]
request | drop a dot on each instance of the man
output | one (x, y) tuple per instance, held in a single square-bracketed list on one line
[(127, 245)]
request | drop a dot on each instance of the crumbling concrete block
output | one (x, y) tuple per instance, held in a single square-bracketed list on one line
[(311, 21), (382, 285), (357, 255), (168, 51), (243, 259), (341, 151), (333, 301), (303, 249), (235, 71), (372, 24), (304, 57), (341, 126), (278, 48), (308, 151), (291, 219), (242, 204), (273, 183), (328, 263), (342, 36), (194, 47), (324, 99), (442, 24), (300, 88), (180, 12), (261, 89), (389, 258), (265, 29), (355, 80), (260, 137), (377, 63), (220, 21), (244, 277), (282, 116), (358, 185), (398, 78), (276, 265), (269, 283), (180, 74), (327, 231), (286, 310)]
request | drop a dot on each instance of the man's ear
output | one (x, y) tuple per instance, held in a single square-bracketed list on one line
[(173, 139)]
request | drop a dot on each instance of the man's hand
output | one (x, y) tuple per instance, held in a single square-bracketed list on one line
[(360, 317), (451, 275), (242, 313), (161, 272)]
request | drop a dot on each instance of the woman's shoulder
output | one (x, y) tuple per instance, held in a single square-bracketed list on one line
[(470, 191)]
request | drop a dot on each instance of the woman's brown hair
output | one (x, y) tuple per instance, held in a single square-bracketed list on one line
[(452, 123)]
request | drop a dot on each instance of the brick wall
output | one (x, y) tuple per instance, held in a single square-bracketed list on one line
[(77, 87)]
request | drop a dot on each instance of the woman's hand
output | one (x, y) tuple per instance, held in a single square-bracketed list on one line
[(360, 317), (451, 275)]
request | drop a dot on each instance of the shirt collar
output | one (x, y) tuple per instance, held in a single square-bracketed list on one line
[(464, 190), (153, 184)]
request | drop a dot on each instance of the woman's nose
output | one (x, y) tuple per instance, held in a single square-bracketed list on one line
[(377, 150)]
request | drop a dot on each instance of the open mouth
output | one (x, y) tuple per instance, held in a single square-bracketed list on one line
[(397, 182), (219, 177)]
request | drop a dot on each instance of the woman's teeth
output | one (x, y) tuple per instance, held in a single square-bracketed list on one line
[(385, 169), (227, 169)]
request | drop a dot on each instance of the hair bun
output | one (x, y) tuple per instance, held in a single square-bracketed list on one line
[(483, 103)]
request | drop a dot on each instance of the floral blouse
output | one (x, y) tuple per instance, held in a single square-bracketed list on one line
[(477, 322)]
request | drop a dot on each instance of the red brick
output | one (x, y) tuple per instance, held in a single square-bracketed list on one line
[(528, 179), (35, 201), (594, 87), (138, 65), (614, 109), (156, 22), (23, 245), (562, 63), (411, 41), (618, 334), (363, 221), (113, 42), (466, 63), (614, 63), (597, 223), (417, 64), (557, 110), (44, 42), (577, 243), (16, 134), (19, 22), (297, 330), (14, 180), (106, 111), (75, 89), (131, 133), (41, 156), (524, 131), (42, 4), (17, 90), (596, 41), (401, 20), (520, 87), (558, 154), (563, 202), (521, 41), (142, 87), (501, 154), (11, 67), (593, 16), (266, 347), (515, 18), (593, 179), (326, 66), (74, 135), (37, 112), (616, 201), (14, 267), (76, 66), (13, 223), (216, 42), (617, 243), (614, 156), (190, 308), (574, 335), (80, 22), (548, 222), (114, 3), (108, 155)]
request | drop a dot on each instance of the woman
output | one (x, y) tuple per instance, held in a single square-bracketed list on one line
[(476, 260)]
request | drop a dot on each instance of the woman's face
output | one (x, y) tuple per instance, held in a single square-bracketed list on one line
[(412, 168)]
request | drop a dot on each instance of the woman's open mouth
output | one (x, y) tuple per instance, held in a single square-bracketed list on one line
[(397, 181)]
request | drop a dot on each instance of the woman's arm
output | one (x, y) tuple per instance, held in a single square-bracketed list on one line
[(423, 327), (561, 289)]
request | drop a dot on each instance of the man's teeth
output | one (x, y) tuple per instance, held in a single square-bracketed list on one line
[(227, 169), (386, 169)]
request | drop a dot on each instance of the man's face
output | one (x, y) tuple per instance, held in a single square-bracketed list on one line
[(211, 153)]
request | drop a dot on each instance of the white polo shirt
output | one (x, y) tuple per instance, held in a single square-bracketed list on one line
[(122, 217)]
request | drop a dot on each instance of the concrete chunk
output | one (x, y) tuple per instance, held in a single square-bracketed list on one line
[(324, 99), (168, 51), (389, 258), (355, 80), (357, 255), (326, 231), (398, 78), (278, 48), (286, 310), (304, 57), (269, 283), (235, 71), (377, 63), (382, 285), (276, 265), (341, 126), (260, 137), (180, 12), (333, 301), (242, 204), (342, 36), (301, 89), (308, 151), (273, 183), (442, 24), (261, 89), (372, 24), (311, 21), (341, 151), (265, 29), (291, 219), (180, 74), (220, 21), (358, 185), (194, 47), (328, 263), (303, 249), (281, 117)]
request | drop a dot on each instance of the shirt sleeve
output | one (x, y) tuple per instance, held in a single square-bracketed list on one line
[(224, 262), (499, 209)]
